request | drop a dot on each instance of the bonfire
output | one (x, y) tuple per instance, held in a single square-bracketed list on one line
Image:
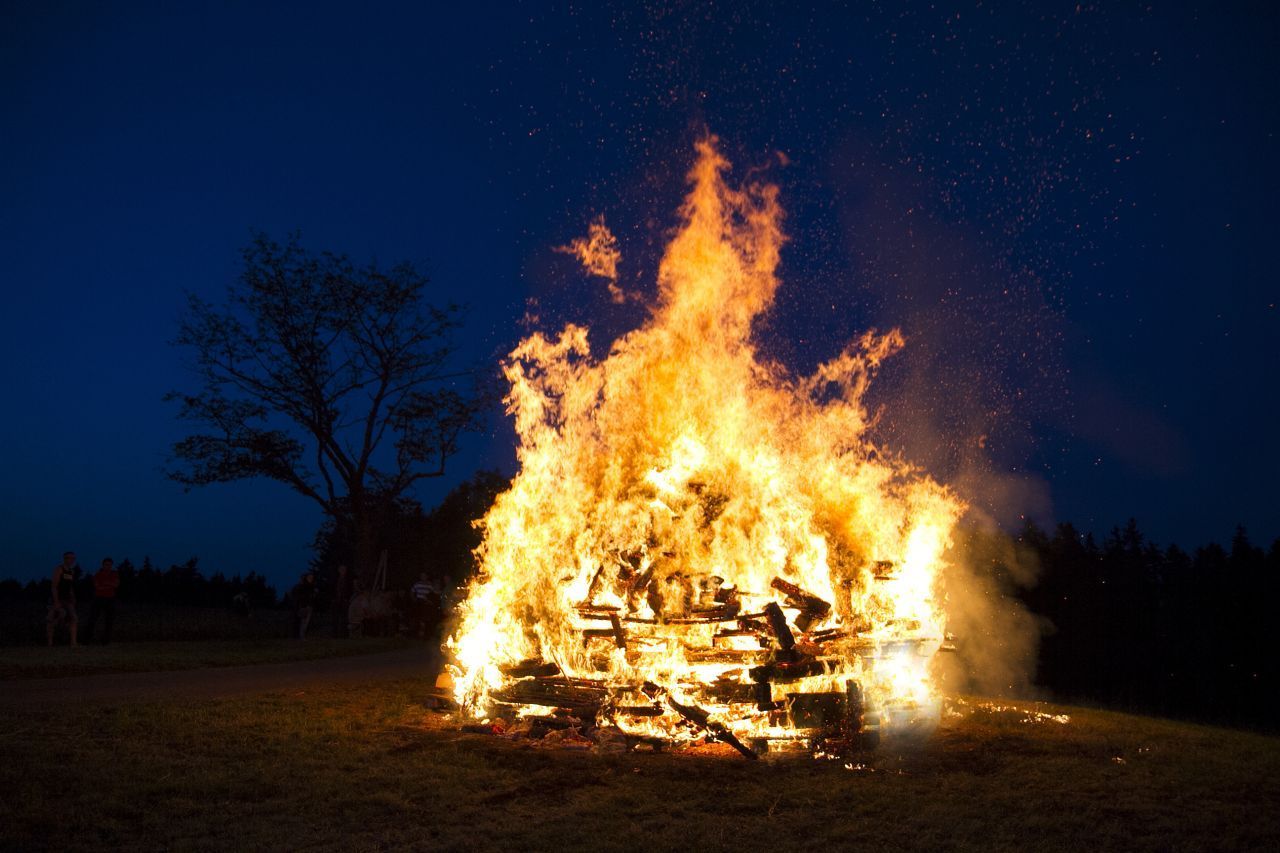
[(701, 544)]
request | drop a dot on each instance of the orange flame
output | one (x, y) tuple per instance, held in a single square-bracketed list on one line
[(599, 254), (683, 459)]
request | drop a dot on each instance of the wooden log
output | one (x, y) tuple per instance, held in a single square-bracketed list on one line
[(778, 626), (853, 698), (812, 608), (619, 636), (717, 730), (546, 721), (726, 594), (639, 710), (742, 656), (553, 693), (595, 582), (731, 692), (723, 636), (640, 581), (801, 599), (533, 667), (596, 611), (736, 632), (784, 671), (706, 617), (723, 611), (764, 696), (816, 710)]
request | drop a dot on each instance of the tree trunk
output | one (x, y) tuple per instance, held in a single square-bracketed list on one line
[(366, 546)]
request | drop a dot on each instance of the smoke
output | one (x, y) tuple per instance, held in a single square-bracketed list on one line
[(996, 637), (980, 374)]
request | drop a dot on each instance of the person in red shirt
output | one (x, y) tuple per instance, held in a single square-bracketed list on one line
[(105, 583)]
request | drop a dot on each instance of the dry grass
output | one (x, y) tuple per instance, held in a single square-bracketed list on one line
[(370, 769), (23, 623), (61, 661)]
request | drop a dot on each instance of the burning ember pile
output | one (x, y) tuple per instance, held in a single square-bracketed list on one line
[(701, 545)]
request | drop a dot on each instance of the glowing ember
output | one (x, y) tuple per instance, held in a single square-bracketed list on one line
[(700, 543)]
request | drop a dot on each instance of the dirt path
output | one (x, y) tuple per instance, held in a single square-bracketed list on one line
[(217, 682)]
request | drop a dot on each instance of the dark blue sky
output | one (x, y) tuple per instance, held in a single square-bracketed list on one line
[(1069, 210)]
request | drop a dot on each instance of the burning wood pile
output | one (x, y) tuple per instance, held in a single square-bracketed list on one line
[(756, 669), (700, 545)]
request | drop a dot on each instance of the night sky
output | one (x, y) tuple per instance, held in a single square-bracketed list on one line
[(1069, 210)]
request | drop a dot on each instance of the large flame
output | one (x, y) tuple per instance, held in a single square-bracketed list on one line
[(680, 472)]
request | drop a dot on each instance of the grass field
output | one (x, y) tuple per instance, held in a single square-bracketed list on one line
[(22, 622), (370, 769), (60, 661)]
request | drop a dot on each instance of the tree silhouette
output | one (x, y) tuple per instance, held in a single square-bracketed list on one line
[(439, 543), (336, 380), (1134, 625)]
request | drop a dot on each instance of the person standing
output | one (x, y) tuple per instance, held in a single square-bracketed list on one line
[(105, 583), (62, 600), (426, 605), (304, 599)]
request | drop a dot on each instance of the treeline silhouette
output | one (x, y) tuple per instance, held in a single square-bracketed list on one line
[(1126, 623), (1135, 625), (180, 585)]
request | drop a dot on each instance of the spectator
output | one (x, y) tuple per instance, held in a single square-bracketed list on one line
[(304, 599), (426, 605), (357, 610), (105, 583), (62, 603)]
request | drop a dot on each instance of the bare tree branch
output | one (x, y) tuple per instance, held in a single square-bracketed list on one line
[(312, 357)]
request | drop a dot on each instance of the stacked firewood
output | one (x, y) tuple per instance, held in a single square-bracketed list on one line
[(766, 665)]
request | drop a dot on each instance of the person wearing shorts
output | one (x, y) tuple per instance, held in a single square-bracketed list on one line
[(62, 602)]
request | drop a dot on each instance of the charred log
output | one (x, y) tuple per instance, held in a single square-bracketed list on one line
[(718, 731), (743, 656), (763, 696), (731, 692), (785, 671), (619, 636), (639, 710), (817, 710), (724, 613), (533, 667), (778, 626), (812, 608), (553, 693), (596, 611), (595, 582)]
